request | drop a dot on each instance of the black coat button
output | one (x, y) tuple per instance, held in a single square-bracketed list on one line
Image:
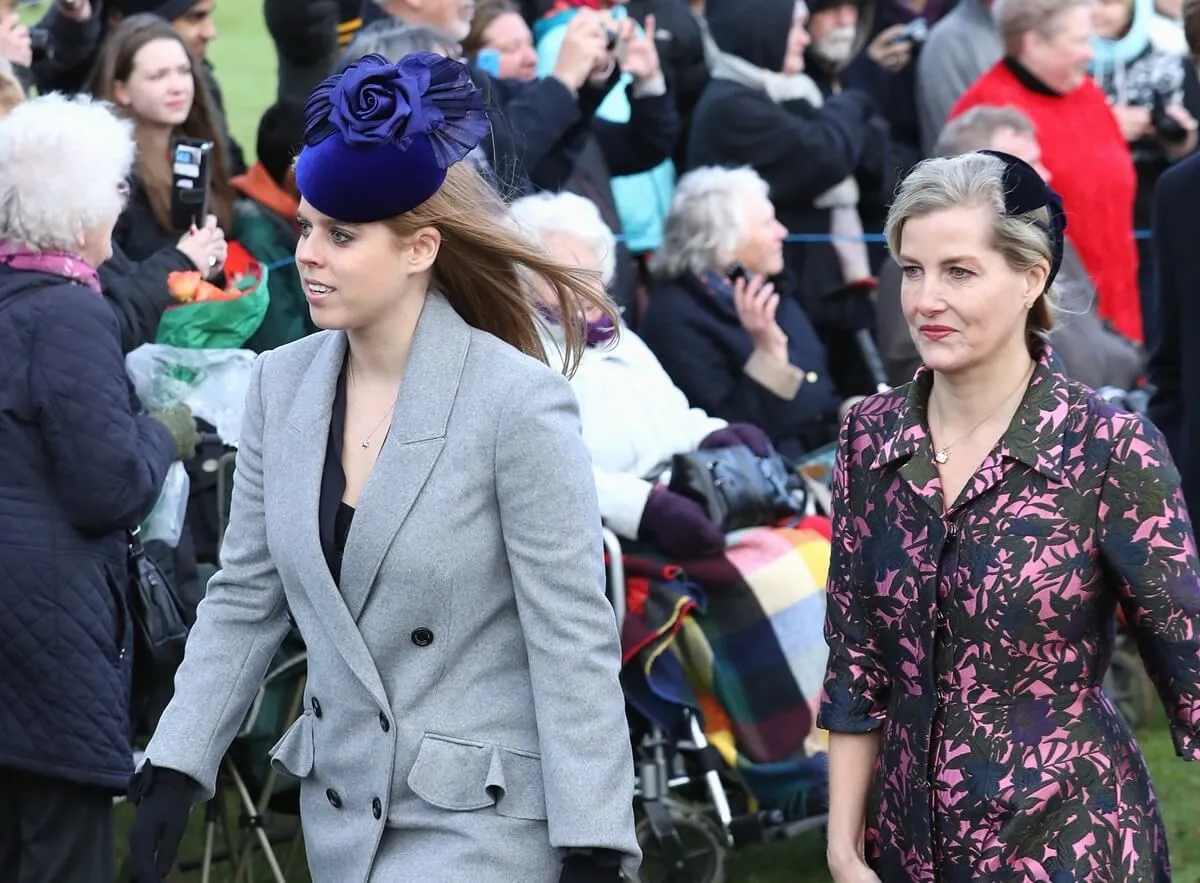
[(422, 637), (383, 722), (376, 808), (316, 707), (335, 799)]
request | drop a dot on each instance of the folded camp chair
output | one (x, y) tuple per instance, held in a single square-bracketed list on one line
[(260, 793)]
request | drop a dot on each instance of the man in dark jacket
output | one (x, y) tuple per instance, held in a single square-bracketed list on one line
[(1174, 369), (763, 108), (1175, 363)]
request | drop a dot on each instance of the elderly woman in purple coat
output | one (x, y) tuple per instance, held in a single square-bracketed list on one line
[(989, 519)]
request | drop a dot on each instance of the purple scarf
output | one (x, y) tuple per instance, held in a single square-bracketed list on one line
[(56, 263), (596, 331)]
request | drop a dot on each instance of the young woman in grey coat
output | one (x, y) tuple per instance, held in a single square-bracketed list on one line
[(413, 487)]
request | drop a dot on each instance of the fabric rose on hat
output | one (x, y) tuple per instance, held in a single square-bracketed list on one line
[(375, 102)]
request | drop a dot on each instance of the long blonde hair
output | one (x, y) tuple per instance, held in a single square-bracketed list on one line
[(484, 264)]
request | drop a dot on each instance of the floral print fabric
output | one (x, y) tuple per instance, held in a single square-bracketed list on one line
[(977, 638)]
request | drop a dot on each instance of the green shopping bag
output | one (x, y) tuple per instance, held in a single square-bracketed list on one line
[(224, 322)]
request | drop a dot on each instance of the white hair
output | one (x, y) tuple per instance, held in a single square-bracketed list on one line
[(62, 161), (707, 220), (544, 214)]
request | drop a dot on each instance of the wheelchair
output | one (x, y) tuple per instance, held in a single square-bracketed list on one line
[(692, 811)]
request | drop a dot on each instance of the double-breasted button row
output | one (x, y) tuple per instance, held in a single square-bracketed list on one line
[(316, 708), (335, 799), (422, 637), (383, 722), (376, 808)]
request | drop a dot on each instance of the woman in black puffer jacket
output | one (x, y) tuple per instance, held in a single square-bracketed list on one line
[(78, 469)]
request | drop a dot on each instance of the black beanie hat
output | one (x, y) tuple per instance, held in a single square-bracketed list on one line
[(168, 9)]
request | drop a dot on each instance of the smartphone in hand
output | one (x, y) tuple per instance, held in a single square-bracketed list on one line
[(191, 182)]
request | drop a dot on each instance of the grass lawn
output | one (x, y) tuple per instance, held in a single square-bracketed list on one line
[(803, 860), (245, 64)]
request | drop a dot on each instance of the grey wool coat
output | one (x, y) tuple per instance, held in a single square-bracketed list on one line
[(463, 719)]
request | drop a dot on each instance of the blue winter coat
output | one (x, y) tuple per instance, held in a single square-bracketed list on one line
[(77, 469)]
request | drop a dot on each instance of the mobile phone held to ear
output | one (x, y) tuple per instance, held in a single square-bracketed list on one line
[(191, 180), (488, 61)]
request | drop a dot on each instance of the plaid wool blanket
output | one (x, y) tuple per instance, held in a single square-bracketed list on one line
[(739, 639)]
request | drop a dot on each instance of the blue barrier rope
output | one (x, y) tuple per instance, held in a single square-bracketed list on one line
[(792, 237)]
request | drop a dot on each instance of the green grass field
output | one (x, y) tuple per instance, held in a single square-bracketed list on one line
[(245, 63)]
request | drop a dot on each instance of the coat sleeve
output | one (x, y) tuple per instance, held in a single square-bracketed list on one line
[(239, 625), (108, 463), (946, 68), (1147, 547), (857, 685), (76, 45), (551, 527), (138, 292), (645, 141), (769, 137)]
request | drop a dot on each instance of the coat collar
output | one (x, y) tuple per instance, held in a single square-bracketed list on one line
[(1036, 436), (406, 459)]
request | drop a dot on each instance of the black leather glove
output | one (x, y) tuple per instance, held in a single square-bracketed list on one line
[(591, 866), (164, 800)]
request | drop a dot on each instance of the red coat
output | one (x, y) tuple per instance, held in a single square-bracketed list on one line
[(1092, 171)]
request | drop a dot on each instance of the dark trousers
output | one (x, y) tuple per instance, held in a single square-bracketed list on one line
[(52, 831)]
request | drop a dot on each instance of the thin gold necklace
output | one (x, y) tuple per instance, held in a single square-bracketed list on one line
[(943, 454), (366, 442)]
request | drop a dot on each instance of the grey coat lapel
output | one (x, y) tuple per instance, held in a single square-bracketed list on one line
[(308, 422), (412, 447)]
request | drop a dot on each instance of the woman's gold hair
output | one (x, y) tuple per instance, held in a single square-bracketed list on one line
[(484, 264)]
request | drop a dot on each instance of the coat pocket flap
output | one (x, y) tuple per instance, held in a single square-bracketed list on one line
[(459, 775), (294, 752), (522, 794), (451, 773)]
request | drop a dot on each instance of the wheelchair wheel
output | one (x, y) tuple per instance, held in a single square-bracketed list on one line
[(1129, 686), (703, 844)]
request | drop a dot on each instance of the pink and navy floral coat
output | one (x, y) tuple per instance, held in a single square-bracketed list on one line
[(977, 638)]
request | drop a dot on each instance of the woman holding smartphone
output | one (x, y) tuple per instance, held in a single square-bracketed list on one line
[(147, 71)]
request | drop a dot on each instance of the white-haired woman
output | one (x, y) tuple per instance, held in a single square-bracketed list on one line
[(988, 520), (78, 468), (634, 417), (731, 343)]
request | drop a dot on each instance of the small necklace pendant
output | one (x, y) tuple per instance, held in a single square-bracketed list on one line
[(366, 444), (942, 456)]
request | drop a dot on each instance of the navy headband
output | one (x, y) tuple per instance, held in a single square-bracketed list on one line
[(379, 137), (1026, 191)]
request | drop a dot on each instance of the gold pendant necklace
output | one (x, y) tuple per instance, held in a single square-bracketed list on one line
[(366, 442), (942, 455)]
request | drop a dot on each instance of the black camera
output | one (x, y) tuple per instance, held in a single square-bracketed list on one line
[(39, 42), (612, 39), (1168, 128)]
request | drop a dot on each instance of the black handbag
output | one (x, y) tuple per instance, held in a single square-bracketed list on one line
[(737, 488), (160, 630)]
